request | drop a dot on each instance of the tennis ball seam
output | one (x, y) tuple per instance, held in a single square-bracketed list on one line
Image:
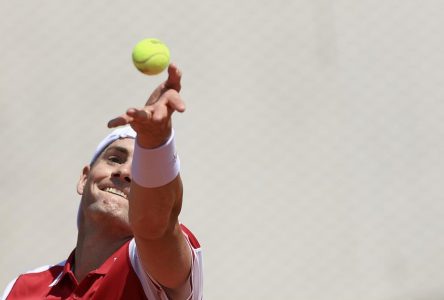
[(151, 56)]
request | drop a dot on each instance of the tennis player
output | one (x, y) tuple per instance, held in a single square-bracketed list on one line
[(130, 243)]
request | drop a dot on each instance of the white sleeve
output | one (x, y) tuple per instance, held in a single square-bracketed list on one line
[(154, 290), (8, 289), (196, 272)]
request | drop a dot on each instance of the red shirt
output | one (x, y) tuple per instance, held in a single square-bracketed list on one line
[(119, 277)]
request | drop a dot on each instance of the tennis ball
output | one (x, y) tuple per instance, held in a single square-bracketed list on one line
[(151, 56)]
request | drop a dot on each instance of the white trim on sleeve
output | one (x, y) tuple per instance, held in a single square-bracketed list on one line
[(37, 270), (8, 289), (153, 289)]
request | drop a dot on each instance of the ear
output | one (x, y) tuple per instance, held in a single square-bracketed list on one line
[(83, 179)]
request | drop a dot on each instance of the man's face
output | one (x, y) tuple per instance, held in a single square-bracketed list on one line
[(105, 186)]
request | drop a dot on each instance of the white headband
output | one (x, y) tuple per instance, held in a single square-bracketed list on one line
[(119, 133)]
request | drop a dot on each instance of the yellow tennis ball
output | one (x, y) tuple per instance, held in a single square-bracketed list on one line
[(151, 56)]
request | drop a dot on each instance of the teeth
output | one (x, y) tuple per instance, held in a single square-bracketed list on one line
[(115, 191)]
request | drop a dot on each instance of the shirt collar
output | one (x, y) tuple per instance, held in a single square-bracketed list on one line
[(102, 270), (66, 269)]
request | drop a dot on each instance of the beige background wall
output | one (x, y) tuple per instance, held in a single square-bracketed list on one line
[(312, 147)]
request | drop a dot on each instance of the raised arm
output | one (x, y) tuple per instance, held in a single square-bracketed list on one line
[(161, 245)]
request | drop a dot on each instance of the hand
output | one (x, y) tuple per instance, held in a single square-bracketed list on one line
[(153, 122)]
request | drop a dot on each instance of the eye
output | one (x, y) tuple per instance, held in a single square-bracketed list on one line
[(115, 159)]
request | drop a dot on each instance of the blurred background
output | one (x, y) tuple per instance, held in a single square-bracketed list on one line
[(312, 145)]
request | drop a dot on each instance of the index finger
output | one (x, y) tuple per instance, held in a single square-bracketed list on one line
[(174, 78), (172, 82)]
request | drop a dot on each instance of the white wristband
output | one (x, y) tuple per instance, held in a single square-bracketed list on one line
[(155, 167)]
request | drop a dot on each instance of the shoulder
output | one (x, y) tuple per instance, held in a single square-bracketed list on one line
[(33, 282), (151, 287)]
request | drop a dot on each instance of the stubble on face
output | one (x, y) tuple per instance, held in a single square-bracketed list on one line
[(105, 186)]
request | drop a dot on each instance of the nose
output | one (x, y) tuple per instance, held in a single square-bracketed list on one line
[(123, 172)]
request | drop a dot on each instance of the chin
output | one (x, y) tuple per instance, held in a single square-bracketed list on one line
[(104, 214)]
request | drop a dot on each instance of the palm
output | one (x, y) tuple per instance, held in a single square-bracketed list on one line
[(153, 121)]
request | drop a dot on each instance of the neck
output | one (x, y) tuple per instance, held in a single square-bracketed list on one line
[(93, 248)]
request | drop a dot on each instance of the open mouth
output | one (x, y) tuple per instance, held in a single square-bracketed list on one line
[(116, 192)]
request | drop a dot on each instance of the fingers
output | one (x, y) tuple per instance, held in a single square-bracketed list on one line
[(132, 115), (174, 78), (119, 121), (162, 103), (139, 114), (173, 82), (167, 104), (173, 100), (160, 112)]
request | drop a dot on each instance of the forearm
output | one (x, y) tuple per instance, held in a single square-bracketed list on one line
[(162, 247), (153, 212), (156, 188)]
